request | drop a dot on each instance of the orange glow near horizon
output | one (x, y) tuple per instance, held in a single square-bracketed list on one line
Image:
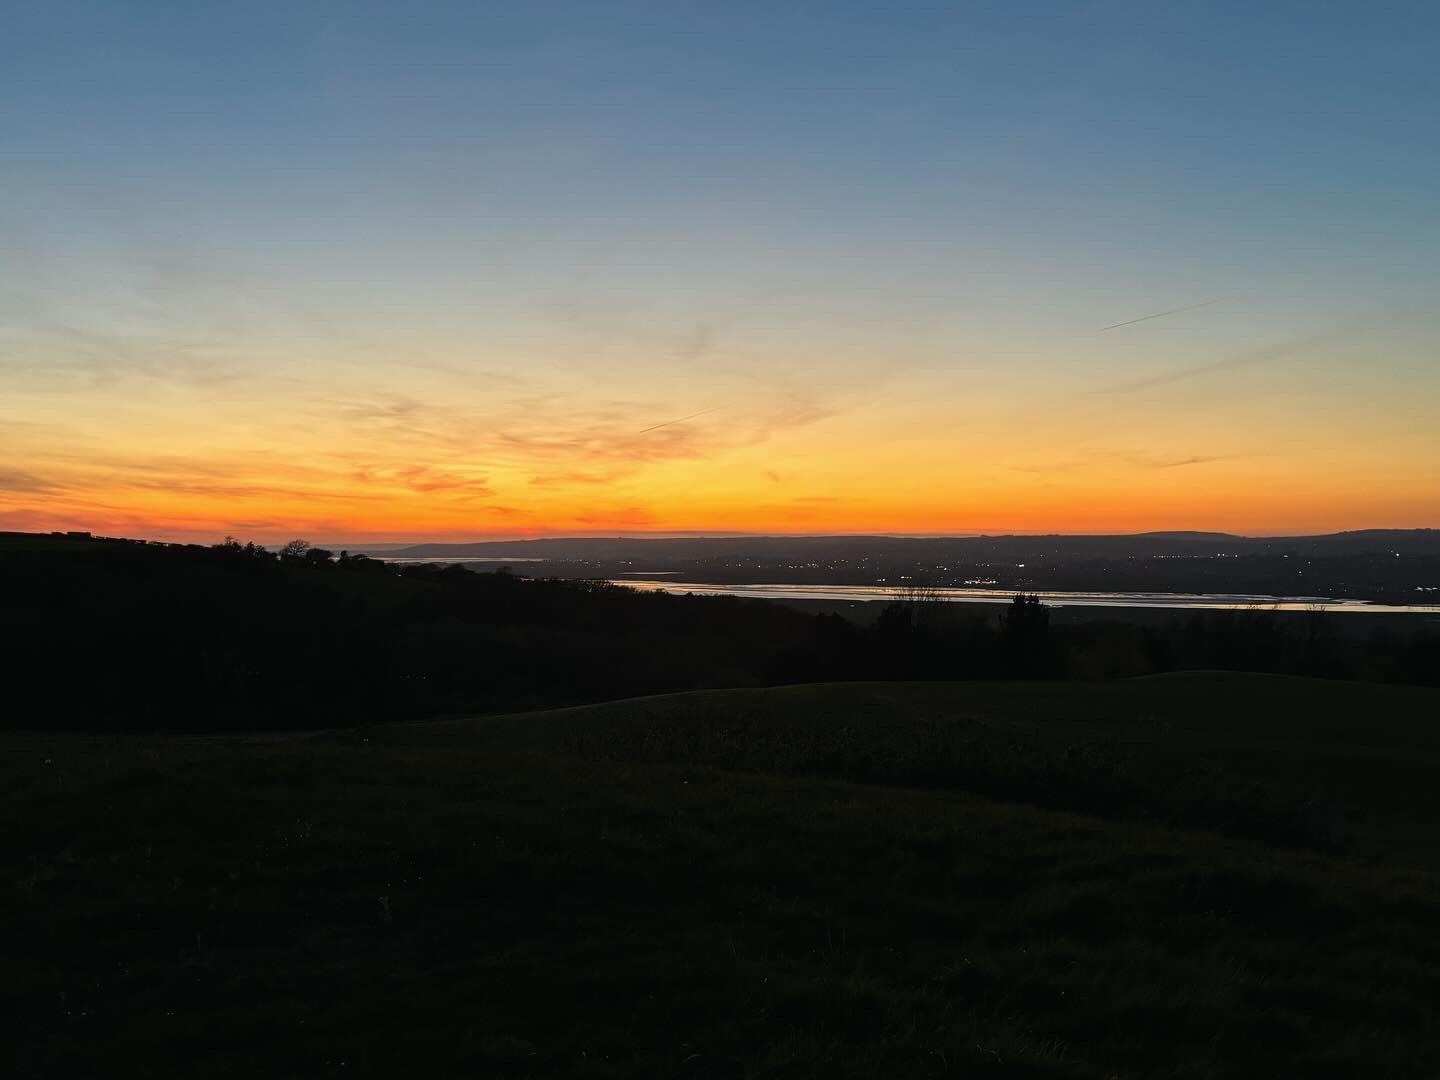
[(472, 463)]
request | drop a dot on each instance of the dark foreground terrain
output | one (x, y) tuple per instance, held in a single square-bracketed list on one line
[(1180, 876)]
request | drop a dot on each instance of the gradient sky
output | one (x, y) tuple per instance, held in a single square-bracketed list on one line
[(379, 271)]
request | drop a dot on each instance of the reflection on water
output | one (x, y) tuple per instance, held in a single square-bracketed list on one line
[(1220, 601)]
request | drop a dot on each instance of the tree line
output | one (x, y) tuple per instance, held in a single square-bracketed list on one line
[(136, 636)]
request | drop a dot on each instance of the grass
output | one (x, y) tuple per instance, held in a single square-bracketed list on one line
[(1338, 767), (586, 893)]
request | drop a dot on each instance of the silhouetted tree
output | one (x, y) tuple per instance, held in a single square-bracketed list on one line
[(294, 549), (893, 641), (1025, 638)]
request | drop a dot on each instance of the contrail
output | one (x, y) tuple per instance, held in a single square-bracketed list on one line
[(1157, 315), (680, 420), (1244, 359)]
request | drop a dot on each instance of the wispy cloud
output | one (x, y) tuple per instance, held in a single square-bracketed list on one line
[(425, 478), (62, 358), (557, 437), (17, 480), (598, 323), (1239, 361), (1138, 459), (242, 488), (696, 343), (1180, 463), (567, 479)]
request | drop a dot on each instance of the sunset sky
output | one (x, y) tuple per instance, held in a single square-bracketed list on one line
[(405, 271)]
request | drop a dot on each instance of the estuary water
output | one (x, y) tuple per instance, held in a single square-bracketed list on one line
[(1203, 601)]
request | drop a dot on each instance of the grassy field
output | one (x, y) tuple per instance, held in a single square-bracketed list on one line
[(1339, 767), (1188, 876)]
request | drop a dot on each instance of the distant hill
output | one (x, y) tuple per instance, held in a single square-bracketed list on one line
[(1363, 541), (1366, 541), (1188, 534)]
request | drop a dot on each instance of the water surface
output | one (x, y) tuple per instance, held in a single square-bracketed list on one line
[(1202, 601)]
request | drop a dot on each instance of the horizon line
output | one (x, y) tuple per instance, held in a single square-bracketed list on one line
[(703, 534)]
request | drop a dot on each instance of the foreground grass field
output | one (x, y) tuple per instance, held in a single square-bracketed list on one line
[(1184, 877), (1331, 766)]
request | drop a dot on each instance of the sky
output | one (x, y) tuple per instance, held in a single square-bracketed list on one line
[(356, 271)]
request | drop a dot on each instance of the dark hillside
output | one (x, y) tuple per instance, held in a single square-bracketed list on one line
[(122, 634), (1305, 763), (125, 635), (440, 900)]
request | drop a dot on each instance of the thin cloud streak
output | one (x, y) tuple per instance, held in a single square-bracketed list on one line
[(1239, 361), (1181, 463), (1134, 458), (681, 420), (18, 480), (1157, 315)]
